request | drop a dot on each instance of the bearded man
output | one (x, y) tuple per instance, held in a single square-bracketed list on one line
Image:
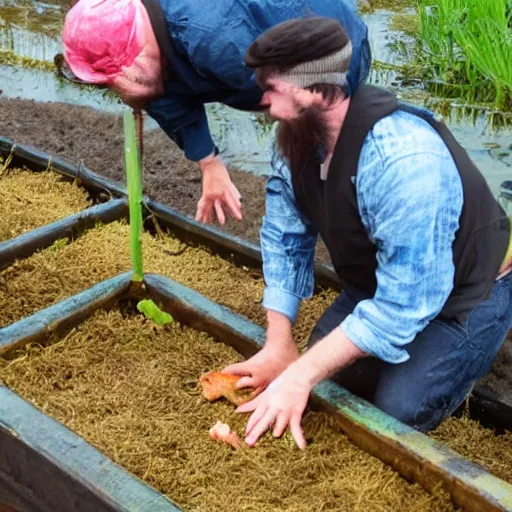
[(171, 57), (420, 245)]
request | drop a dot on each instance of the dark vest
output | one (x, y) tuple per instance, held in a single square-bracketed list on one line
[(480, 242)]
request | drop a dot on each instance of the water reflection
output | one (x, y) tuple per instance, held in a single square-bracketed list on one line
[(28, 44)]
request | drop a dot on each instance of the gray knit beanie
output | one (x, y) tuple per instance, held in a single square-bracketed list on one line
[(304, 51)]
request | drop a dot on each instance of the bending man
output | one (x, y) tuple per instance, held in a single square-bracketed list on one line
[(170, 57), (420, 245)]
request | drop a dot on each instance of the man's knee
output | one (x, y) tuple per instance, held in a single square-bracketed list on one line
[(424, 411)]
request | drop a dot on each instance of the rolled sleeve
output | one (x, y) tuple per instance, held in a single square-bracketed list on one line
[(282, 302), (361, 335), (411, 201)]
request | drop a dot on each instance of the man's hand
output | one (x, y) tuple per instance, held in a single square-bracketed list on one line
[(218, 192), (278, 352), (284, 401), (279, 406), (261, 369)]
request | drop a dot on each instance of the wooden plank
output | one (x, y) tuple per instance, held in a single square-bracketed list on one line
[(28, 243)]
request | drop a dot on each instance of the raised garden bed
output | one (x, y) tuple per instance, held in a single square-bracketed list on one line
[(31, 200), (38, 208), (150, 418), (65, 269), (131, 391)]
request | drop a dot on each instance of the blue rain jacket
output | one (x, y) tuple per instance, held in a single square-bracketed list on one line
[(209, 40)]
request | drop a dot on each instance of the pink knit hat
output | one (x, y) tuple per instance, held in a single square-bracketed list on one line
[(102, 36)]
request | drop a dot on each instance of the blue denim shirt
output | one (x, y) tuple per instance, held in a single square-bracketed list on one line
[(209, 43), (410, 197)]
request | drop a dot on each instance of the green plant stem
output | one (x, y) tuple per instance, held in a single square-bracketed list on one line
[(134, 183)]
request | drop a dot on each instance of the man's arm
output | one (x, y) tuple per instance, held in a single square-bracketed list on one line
[(184, 120), (288, 245), (410, 195), (288, 241), (325, 358)]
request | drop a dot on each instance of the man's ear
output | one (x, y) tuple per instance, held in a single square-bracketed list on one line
[(318, 98), (305, 98)]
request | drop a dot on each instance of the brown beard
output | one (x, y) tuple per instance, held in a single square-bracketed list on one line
[(298, 140)]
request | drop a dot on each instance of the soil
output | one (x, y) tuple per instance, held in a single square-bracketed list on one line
[(80, 133), (7, 508), (131, 390)]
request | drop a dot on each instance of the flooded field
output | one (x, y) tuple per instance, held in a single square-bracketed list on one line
[(29, 40)]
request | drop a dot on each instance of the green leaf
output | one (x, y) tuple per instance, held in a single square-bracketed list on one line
[(153, 312), (59, 244)]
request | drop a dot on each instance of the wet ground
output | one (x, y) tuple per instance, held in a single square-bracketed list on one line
[(241, 139), (38, 109)]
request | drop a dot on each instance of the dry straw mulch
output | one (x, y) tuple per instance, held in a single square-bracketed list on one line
[(32, 199), (131, 390)]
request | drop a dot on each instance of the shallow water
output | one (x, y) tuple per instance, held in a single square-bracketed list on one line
[(42, 86), (240, 138), (383, 39), (29, 44)]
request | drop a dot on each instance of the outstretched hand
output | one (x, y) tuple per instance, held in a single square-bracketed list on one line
[(218, 193), (280, 406)]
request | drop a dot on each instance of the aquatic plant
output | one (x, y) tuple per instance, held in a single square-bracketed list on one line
[(11, 58), (466, 48)]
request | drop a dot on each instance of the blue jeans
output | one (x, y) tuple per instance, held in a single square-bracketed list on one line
[(446, 360)]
